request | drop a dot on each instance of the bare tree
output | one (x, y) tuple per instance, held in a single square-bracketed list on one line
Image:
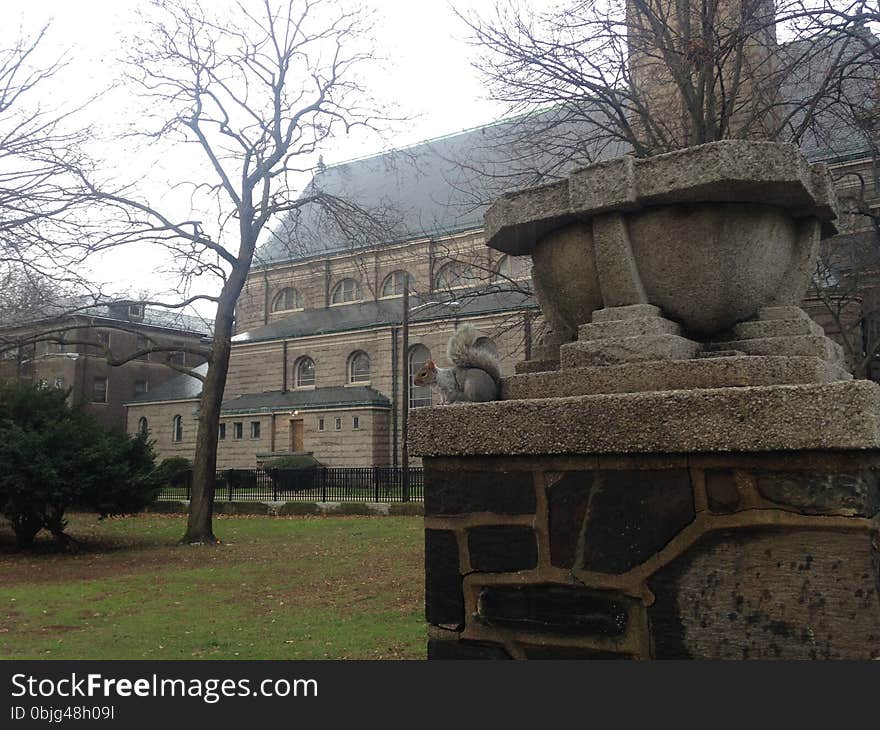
[(649, 76), (257, 91), (43, 199)]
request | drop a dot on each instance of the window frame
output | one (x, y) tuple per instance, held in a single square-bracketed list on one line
[(256, 429), (424, 400), (393, 279), (340, 288), (95, 380), (297, 372), (295, 296), (466, 277), (352, 359), (177, 429)]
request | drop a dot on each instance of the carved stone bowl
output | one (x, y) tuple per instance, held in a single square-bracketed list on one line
[(709, 234)]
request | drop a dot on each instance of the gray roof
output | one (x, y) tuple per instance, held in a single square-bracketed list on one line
[(385, 312), (438, 187), (116, 311), (443, 186), (181, 387), (333, 397), (186, 387)]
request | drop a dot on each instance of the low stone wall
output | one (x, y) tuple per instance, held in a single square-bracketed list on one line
[(283, 509), (712, 556)]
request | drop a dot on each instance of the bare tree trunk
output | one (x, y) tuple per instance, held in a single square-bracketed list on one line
[(199, 526)]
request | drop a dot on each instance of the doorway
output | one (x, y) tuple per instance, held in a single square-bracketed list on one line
[(296, 435)]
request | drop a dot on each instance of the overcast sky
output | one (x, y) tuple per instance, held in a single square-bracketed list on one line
[(427, 76)]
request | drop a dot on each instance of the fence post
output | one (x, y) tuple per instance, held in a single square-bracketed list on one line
[(324, 484), (229, 484), (376, 483), (274, 486), (189, 481)]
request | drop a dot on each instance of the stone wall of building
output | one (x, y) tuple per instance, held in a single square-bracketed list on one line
[(76, 364), (316, 278), (726, 556), (160, 417)]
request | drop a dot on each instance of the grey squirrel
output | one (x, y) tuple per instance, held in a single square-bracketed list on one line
[(476, 373)]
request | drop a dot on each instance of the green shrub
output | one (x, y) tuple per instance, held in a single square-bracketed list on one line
[(293, 473), (54, 457), (240, 479), (175, 471), (301, 461)]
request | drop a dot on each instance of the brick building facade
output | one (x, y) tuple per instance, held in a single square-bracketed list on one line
[(71, 352)]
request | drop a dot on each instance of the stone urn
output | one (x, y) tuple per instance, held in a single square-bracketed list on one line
[(709, 234)]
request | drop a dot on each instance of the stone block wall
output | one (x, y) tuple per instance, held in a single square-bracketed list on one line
[(712, 557)]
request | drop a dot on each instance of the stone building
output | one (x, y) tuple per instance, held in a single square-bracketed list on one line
[(317, 365), (71, 351)]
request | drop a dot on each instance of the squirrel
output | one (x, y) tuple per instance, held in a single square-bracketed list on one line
[(476, 373)]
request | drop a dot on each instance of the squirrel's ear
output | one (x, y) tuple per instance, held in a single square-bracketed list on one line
[(430, 365)]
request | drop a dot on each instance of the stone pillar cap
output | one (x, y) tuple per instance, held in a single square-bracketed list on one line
[(742, 171)]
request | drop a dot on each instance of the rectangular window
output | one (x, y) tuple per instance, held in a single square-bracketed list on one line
[(237, 430), (141, 387), (136, 311), (255, 429), (221, 434), (338, 424), (99, 390), (355, 422), (320, 424)]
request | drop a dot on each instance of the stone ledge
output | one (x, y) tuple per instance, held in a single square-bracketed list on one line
[(619, 350), (832, 416), (729, 171), (630, 311), (795, 345), (760, 329), (628, 328), (705, 372)]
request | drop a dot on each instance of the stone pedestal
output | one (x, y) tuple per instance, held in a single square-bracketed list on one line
[(670, 557), (684, 522), (686, 469)]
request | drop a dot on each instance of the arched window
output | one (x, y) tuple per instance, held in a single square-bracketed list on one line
[(287, 299), (487, 344), (395, 283), (143, 426), (359, 368), (177, 429), (454, 275), (347, 290), (418, 395), (304, 372), (511, 268)]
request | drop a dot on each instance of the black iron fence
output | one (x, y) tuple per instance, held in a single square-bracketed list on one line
[(322, 484)]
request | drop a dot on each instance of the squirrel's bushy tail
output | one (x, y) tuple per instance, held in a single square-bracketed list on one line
[(464, 352)]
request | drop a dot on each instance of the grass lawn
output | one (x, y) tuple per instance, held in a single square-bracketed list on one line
[(277, 588)]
